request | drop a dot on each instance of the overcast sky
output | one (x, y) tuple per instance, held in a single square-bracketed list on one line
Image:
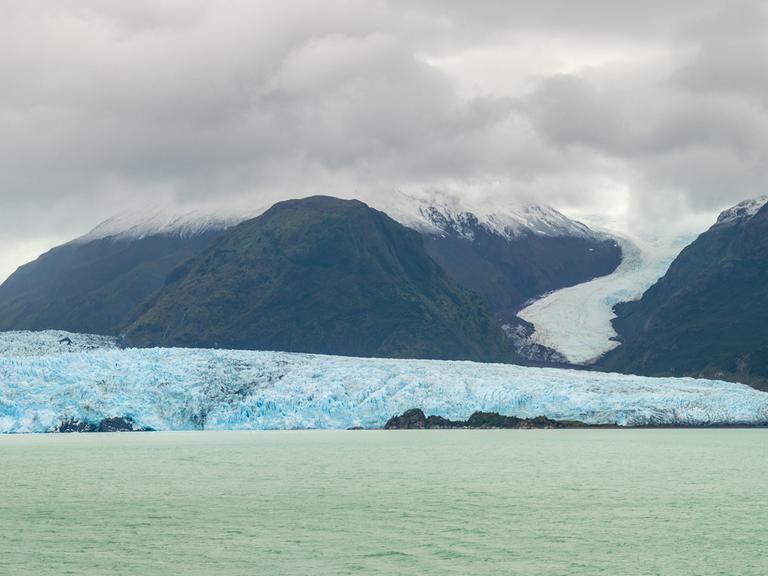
[(655, 111)]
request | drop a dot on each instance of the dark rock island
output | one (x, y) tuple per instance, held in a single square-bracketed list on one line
[(112, 424), (415, 419)]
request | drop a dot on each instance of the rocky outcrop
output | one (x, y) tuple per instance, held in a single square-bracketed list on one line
[(112, 424), (415, 419), (520, 334), (68, 426)]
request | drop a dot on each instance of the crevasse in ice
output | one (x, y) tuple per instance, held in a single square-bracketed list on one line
[(185, 389)]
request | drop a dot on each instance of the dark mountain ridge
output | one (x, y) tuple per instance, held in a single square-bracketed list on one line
[(320, 275), (93, 286), (707, 316)]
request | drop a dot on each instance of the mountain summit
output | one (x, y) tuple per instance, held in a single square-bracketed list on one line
[(447, 214), (320, 275)]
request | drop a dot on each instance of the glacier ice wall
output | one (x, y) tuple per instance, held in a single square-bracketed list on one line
[(186, 389)]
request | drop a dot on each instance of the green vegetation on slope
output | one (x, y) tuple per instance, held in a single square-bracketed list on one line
[(320, 275), (92, 287)]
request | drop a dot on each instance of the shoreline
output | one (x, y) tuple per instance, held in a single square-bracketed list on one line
[(587, 427), (415, 419), (412, 419)]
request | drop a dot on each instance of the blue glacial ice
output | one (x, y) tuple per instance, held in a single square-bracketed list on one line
[(46, 342), (186, 389)]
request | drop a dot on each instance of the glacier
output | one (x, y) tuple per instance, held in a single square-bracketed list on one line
[(190, 389), (46, 342), (576, 321)]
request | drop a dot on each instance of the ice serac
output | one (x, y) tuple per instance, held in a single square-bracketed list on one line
[(51, 342), (186, 389)]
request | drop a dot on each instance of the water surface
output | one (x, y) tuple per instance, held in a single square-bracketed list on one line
[(565, 502)]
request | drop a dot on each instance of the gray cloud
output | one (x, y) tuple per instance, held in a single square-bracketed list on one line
[(592, 106)]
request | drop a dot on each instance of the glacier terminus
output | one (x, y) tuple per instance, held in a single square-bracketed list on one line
[(45, 380)]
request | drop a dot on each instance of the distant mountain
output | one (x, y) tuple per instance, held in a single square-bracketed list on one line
[(101, 282), (507, 254), (708, 316), (94, 284), (320, 275), (164, 222)]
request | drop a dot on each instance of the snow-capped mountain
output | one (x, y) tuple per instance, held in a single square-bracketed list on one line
[(94, 283), (320, 275), (508, 253), (164, 221), (102, 281), (742, 212), (446, 214), (431, 213)]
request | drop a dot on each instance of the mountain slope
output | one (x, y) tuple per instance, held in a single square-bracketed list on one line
[(708, 315), (509, 254), (320, 275), (94, 284), (100, 282)]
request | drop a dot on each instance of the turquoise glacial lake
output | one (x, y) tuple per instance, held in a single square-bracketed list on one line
[(540, 502)]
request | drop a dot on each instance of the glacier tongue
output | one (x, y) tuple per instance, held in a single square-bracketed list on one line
[(576, 321), (185, 389)]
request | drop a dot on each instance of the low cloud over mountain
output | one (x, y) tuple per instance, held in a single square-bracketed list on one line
[(652, 110)]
